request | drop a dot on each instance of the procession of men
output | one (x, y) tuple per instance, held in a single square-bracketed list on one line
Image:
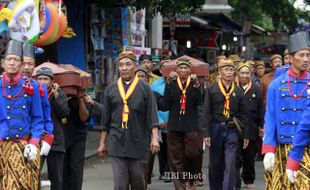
[(237, 114), (240, 107)]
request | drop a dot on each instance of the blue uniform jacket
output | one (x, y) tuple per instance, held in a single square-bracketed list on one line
[(159, 86), (48, 123), (283, 113), (24, 114), (3, 116), (301, 140), (281, 70)]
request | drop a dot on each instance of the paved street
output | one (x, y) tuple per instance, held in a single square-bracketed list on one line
[(98, 176), (98, 173)]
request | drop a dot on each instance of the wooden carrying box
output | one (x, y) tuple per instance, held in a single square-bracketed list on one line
[(71, 79), (201, 69), (84, 76)]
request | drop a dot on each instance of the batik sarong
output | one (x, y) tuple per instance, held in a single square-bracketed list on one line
[(16, 171), (277, 179)]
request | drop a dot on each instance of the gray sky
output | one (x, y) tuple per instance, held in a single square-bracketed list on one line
[(301, 4)]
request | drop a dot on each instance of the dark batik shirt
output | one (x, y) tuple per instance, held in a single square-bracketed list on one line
[(75, 129), (59, 110), (171, 102), (134, 141), (254, 102), (214, 105)]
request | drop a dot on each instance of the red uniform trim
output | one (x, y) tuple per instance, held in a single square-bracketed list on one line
[(292, 164), (34, 141), (48, 138), (268, 148)]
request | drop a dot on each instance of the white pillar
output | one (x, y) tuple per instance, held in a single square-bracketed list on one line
[(157, 31)]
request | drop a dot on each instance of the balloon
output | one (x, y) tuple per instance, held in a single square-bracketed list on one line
[(54, 35), (38, 50), (47, 21), (6, 13), (62, 27), (57, 25), (23, 20), (53, 26), (3, 27)]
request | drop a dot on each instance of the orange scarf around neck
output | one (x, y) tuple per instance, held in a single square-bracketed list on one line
[(125, 96), (183, 96), (226, 111)]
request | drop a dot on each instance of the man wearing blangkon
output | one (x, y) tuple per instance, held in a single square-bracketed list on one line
[(224, 112), (129, 115)]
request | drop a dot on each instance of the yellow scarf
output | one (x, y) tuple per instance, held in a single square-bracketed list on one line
[(227, 98), (183, 97), (125, 97), (248, 87)]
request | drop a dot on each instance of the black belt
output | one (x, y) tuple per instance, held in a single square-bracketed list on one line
[(228, 124)]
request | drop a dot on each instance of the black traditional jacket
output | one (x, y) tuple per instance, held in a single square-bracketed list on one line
[(132, 142)]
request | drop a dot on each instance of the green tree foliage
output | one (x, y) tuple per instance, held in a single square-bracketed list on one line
[(251, 10), (163, 6), (282, 12), (276, 15), (172, 6)]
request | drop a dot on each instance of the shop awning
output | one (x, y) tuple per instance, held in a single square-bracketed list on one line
[(223, 22), (203, 23), (257, 29)]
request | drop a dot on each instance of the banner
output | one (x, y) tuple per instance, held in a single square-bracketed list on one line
[(137, 27), (138, 50), (133, 26)]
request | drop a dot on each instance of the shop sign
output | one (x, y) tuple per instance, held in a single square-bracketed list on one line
[(138, 50), (181, 20)]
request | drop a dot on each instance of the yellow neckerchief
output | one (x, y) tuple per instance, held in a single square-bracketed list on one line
[(248, 87), (153, 78), (227, 97), (183, 97), (125, 97)]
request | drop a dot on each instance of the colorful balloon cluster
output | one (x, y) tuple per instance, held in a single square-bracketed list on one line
[(38, 22)]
